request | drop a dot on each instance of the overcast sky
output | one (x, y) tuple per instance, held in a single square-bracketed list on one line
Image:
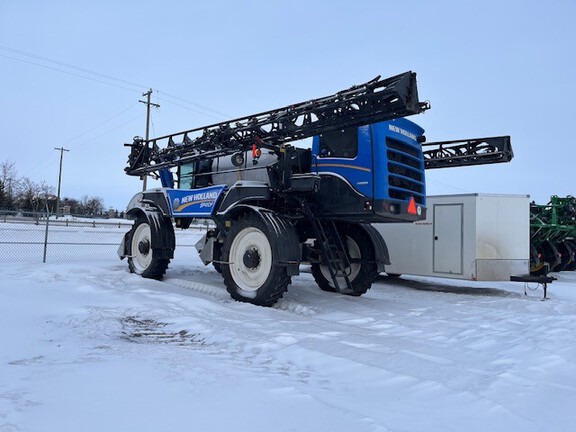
[(72, 74)]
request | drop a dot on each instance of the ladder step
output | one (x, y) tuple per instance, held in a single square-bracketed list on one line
[(333, 253)]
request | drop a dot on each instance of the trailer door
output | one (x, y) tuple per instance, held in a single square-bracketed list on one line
[(448, 234)]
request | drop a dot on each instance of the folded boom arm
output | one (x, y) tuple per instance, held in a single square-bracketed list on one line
[(476, 151), (375, 101)]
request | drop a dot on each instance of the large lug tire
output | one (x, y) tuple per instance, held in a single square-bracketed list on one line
[(251, 270), (217, 266), (141, 258), (362, 271), (218, 257)]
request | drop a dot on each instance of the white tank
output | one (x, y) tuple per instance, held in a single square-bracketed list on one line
[(224, 171)]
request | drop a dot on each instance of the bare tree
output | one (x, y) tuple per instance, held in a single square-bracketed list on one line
[(7, 170), (10, 184), (24, 194), (3, 195), (91, 205), (28, 199)]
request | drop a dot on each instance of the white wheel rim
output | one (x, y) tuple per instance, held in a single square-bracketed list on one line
[(141, 260), (250, 278), (352, 271)]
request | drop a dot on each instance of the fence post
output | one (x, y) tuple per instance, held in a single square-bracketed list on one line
[(46, 234)]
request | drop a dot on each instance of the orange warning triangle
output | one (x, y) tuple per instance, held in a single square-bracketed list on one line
[(412, 206)]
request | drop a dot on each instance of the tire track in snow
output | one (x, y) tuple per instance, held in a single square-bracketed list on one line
[(216, 292), (219, 293), (381, 343), (378, 340), (316, 356)]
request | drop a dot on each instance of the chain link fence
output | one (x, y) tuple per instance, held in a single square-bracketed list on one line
[(44, 237)]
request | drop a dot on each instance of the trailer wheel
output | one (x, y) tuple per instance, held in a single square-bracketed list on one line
[(362, 271), (250, 267), (141, 259)]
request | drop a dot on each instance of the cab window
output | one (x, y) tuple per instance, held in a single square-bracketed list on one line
[(186, 177), (339, 143)]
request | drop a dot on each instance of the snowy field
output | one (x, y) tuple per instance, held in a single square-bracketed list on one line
[(87, 346)]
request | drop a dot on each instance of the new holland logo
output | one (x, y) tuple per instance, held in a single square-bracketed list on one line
[(402, 132), (196, 201)]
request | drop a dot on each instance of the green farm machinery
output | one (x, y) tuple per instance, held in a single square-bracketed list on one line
[(553, 236)]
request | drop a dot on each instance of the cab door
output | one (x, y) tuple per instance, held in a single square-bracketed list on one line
[(346, 154)]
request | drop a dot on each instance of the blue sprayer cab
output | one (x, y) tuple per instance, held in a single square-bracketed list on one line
[(372, 173), (368, 174)]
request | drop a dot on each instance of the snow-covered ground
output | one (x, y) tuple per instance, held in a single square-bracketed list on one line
[(87, 346)]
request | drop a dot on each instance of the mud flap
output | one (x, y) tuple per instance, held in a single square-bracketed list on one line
[(163, 239), (380, 249), (123, 247)]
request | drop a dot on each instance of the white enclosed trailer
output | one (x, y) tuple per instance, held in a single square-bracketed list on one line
[(484, 237)]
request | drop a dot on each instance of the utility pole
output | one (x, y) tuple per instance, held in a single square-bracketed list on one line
[(148, 105), (61, 150)]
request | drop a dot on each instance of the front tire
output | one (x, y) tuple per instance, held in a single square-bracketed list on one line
[(362, 270), (250, 266), (141, 259)]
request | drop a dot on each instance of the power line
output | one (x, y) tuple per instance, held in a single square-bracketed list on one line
[(105, 76), (71, 66), (38, 165), (69, 73), (193, 103), (87, 74), (219, 118), (99, 124), (45, 163), (109, 130), (102, 123)]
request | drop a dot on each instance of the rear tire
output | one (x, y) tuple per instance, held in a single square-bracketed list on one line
[(141, 250), (250, 266), (361, 273)]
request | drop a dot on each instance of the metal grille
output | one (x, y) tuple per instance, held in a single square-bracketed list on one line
[(405, 172)]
